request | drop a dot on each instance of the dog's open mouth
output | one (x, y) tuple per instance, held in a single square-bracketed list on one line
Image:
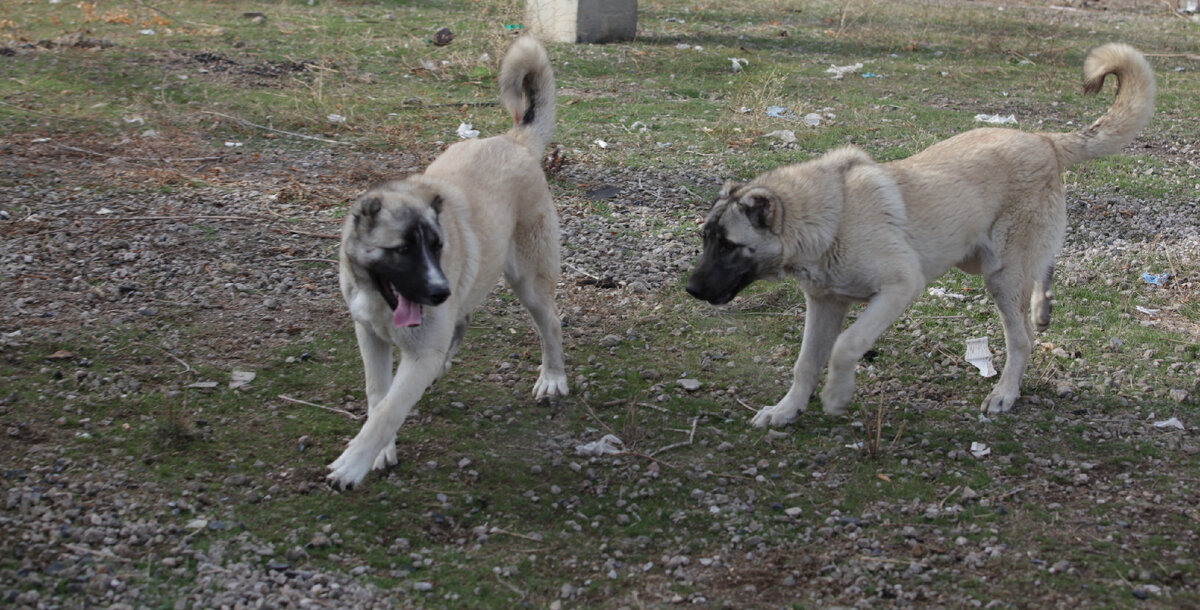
[(404, 312)]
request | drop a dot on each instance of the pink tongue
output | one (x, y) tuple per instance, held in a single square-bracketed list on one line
[(407, 313)]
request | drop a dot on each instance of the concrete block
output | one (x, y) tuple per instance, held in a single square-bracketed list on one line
[(588, 21)]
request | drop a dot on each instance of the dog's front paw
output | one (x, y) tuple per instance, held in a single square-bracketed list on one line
[(549, 385), (776, 415), (386, 458), (998, 402), (350, 468)]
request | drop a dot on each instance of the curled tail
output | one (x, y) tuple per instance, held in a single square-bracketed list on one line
[(527, 92), (1129, 113)]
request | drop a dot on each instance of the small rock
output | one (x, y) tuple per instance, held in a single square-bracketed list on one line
[(610, 340), (690, 385), (443, 37)]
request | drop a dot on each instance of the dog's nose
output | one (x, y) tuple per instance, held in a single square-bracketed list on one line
[(439, 294), (694, 290)]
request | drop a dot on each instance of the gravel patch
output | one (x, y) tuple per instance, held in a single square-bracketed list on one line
[(253, 269)]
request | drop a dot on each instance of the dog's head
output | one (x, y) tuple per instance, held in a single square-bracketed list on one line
[(393, 241), (741, 243)]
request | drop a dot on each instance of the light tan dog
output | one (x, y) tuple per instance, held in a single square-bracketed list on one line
[(849, 229), (419, 255)]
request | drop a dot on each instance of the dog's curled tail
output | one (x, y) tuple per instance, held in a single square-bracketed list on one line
[(527, 92), (1130, 111)]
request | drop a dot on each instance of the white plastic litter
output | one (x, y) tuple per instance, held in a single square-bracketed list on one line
[(980, 449), (941, 292), (606, 445), (465, 132), (980, 355), (1169, 423), (1146, 310), (842, 71), (601, 143), (335, 118), (996, 119), (812, 119), (738, 62)]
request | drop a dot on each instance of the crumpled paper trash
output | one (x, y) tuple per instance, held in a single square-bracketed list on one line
[(607, 445), (996, 119), (240, 379), (786, 135), (980, 355), (465, 132), (842, 71)]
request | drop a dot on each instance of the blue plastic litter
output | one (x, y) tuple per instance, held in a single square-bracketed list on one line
[(1158, 279)]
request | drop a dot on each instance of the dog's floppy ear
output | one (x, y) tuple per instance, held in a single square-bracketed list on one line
[(762, 208), (727, 189), (367, 209)]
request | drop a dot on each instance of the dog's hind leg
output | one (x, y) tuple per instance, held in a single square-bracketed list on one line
[(1012, 293), (822, 323), (881, 311), (377, 368), (418, 368), (460, 331), (1042, 301), (532, 272)]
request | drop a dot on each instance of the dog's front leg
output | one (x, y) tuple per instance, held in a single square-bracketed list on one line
[(377, 368), (822, 323), (415, 373), (881, 311)]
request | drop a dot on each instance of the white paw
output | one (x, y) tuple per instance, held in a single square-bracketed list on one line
[(550, 385), (777, 415), (386, 458), (997, 402), (349, 469)]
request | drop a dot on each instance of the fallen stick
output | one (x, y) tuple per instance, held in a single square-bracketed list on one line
[(313, 404)]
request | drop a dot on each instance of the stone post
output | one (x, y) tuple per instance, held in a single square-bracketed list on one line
[(588, 21)]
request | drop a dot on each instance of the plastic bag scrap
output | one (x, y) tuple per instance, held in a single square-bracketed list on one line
[(1157, 279), (1169, 423), (609, 444), (779, 112)]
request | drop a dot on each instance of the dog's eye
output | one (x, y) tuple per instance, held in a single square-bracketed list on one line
[(727, 246)]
